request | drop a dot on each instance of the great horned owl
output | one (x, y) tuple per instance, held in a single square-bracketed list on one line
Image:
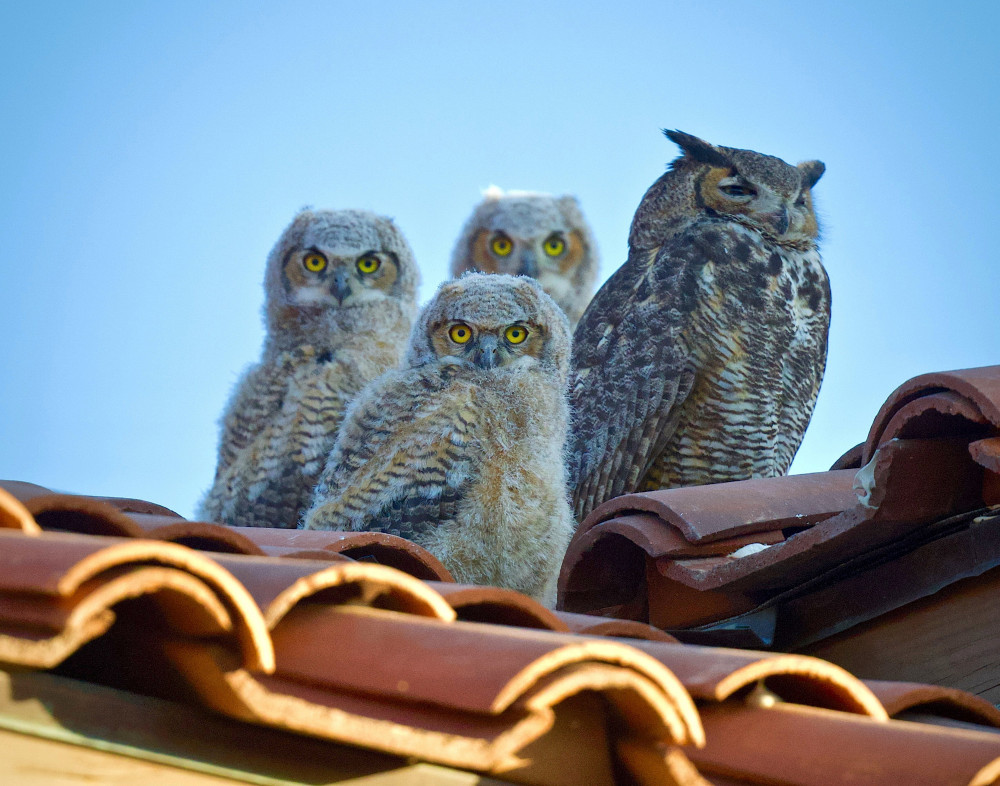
[(340, 297), (461, 450), (700, 359), (536, 235)]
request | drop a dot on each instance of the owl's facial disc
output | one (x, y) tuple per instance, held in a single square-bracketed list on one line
[(727, 192)]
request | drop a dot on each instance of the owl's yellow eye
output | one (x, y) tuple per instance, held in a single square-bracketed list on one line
[(515, 334), (369, 264), (554, 246), (460, 333), (501, 245), (315, 262)]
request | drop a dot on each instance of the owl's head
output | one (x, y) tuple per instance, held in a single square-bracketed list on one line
[(520, 233), (759, 191), (492, 323), (339, 264)]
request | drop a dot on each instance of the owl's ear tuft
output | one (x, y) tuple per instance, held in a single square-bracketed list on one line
[(698, 149), (811, 172)]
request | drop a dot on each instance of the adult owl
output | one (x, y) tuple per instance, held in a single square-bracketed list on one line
[(340, 298), (700, 359), (526, 234), (461, 450)]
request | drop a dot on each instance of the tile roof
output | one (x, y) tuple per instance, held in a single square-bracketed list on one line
[(362, 654), (137, 519), (847, 564)]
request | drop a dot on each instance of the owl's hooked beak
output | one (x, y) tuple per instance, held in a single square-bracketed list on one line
[(340, 287), (529, 267), (778, 220), (487, 353)]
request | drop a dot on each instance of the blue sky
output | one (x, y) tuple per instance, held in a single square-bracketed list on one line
[(152, 153)]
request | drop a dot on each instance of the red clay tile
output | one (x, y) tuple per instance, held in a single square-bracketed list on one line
[(591, 625), (121, 517), (13, 514), (702, 514), (83, 515), (791, 744), (279, 585), (195, 534), (395, 673), (370, 656), (717, 673), (647, 764), (986, 453), (607, 562), (140, 506), (24, 491), (377, 547), (417, 686), (900, 697), (312, 554), (852, 459), (497, 606), (80, 578), (957, 403), (612, 567)]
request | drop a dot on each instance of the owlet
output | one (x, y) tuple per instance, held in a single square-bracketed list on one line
[(700, 359), (536, 235), (340, 298), (461, 450)]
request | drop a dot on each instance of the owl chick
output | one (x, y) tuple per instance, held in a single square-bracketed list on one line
[(700, 359), (461, 450), (340, 298), (536, 235)]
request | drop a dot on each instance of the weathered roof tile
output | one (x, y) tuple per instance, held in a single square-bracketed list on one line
[(366, 655), (727, 560)]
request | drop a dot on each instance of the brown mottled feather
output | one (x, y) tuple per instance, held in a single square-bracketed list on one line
[(331, 329), (462, 456), (700, 359)]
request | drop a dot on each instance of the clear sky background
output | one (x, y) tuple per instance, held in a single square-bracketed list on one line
[(151, 154)]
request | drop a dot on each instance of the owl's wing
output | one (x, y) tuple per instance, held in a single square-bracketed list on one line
[(631, 372), (401, 469)]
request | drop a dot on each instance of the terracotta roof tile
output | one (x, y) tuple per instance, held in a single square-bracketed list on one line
[(717, 673), (195, 534), (498, 606), (718, 560), (852, 459), (13, 514), (463, 694), (823, 748), (369, 656), (62, 587), (592, 625), (903, 697), (377, 547), (734, 509), (122, 517), (939, 404)]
